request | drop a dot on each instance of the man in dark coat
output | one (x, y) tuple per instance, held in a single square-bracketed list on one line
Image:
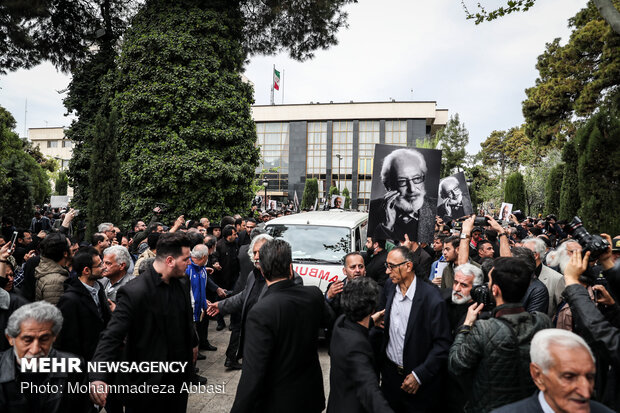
[(226, 251), (415, 339), (84, 306), (375, 259), (281, 370), (153, 320), (353, 376)]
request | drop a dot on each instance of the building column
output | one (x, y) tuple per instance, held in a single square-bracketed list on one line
[(382, 131), (328, 162), (355, 163), (297, 152)]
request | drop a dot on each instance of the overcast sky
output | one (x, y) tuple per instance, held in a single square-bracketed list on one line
[(390, 48)]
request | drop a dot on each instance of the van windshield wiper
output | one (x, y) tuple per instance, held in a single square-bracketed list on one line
[(315, 260)]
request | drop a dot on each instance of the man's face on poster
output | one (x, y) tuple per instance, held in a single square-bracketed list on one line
[(409, 183), (454, 194)]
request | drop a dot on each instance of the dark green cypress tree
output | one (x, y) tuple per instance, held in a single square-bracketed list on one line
[(569, 195), (311, 193), (185, 129), (104, 174), (61, 183), (598, 147), (514, 191), (553, 189)]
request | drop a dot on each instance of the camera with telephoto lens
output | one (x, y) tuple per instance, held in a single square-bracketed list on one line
[(596, 244), (481, 294)]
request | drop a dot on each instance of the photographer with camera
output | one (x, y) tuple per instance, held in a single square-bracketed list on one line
[(494, 352), (601, 329)]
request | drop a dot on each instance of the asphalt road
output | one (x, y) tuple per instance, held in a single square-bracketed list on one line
[(219, 394)]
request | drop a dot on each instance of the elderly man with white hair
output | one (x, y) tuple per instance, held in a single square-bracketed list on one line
[(116, 264), (31, 331), (406, 207), (452, 205), (553, 280), (562, 367)]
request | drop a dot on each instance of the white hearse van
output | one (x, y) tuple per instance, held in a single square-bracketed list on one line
[(319, 241)]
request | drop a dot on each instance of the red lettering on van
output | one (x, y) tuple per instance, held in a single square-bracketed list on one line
[(313, 272), (302, 270), (333, 279), (323, 275)]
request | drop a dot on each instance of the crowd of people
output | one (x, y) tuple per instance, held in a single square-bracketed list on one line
[(490, 316)]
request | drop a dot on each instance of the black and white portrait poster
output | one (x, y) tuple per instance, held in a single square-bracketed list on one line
[(505, 211), (454, 201), (337, 201), (403, 197)]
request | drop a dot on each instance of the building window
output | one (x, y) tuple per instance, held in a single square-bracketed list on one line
[(52, 144), (363, 194), (316, 160), (273, 140), (65, 164), (396, 132), (67, 144), (369, 137), (343, 146)]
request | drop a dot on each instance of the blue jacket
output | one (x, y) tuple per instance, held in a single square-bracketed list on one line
[(200, 282)]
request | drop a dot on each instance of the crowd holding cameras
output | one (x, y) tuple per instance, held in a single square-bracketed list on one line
[(511, 316)]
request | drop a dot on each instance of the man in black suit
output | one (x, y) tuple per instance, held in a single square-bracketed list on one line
[(153, 320), (563, 369), (406, 207), (415, 339), (353, 267), (84, 306), (281, 370), (353, 377), (375, 259)]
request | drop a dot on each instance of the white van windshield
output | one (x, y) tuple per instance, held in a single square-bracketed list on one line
[(314, 243)]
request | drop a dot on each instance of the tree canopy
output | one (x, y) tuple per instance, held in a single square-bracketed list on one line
[(454, 137)]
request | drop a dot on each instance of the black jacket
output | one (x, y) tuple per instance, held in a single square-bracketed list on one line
[(13, 400), (226, 253), (375, 268), (536, 297), (138, 323), (281, 371), (421, 230), (603, 338), (82, 323), (353, 377), (14, 302), (422, 263), (532, 405)]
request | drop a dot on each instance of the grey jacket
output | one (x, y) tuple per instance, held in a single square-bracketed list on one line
[(554, 281)]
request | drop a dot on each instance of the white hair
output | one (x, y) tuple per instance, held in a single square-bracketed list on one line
[(387, 170), (539, 246), (447, 184), (105, 227), (470, 269), (540, 348), (120, 253), (200, 251), (264, 237), (39, 311), (555, 257)]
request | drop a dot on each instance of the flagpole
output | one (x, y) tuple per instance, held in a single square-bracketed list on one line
[(272, 83), (282, 85)]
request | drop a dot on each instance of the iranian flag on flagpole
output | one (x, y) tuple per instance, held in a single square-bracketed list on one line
[(276, 79)]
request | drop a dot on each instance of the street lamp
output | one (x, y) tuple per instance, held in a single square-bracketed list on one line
[(339, 159), (265, 185)]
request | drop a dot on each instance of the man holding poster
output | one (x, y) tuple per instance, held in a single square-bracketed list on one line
[(404, 202)]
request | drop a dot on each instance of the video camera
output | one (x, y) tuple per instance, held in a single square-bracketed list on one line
[(481, 294), (596, 244)]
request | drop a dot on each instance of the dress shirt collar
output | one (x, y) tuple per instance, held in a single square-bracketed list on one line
[(543, 403), (410, 291)]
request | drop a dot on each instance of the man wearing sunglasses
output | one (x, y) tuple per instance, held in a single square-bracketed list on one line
[(404, 209), (416, 337)]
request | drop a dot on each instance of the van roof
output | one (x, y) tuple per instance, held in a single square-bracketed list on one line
[(333, 218)]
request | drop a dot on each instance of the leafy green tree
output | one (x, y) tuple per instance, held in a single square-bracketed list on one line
[(453, 138), (347, 198), (61, 183), (186, 136), (311, 193), (598, 175), (514, 191), (507, 150), (574, 79), (535, 177), (569, 194), (23, 182), (553, 189), (104, 174), (607, 8)]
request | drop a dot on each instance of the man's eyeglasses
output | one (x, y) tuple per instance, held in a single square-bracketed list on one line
[(392, 266), (402, 182)]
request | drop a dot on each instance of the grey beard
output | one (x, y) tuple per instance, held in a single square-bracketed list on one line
[(563, 261), (407, 207), (457, 300)]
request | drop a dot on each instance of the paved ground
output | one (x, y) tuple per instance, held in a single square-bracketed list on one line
[(213, 369)]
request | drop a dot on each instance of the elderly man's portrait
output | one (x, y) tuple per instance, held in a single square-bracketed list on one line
[(404, 193), (505, 211), (337, 202), (454, 200)]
